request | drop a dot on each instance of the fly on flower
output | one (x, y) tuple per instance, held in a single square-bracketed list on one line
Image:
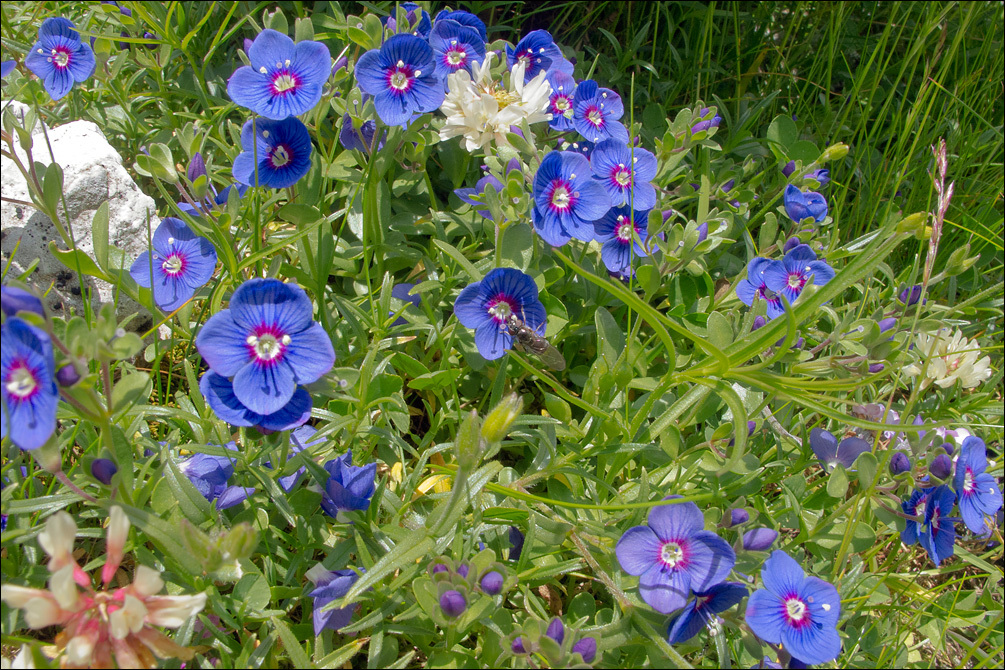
[(534, 343)]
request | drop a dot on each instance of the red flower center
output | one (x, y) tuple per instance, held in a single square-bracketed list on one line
[(285, 82), (60, 57), (267, 344), (401, 77), (797, 613), (501, 306), (21, 381)]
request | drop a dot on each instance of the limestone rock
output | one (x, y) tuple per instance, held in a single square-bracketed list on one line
[(92, 173)]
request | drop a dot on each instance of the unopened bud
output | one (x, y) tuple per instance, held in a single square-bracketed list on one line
[(587, 648), (941, 467), (759, 539), (468, 444), (453, 603), (67, 376), (103, 470), (736, 517), (240, 542), (899, 464), (492, 582), (789, 168), (499, 420), (834, 152)]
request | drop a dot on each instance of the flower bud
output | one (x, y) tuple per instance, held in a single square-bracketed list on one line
[(702, 233), (67, 376), (118, 532), (899, 464), (910, 296), (876, 367), (440, 567), (463, 570), (518, 646), (887, 324), (791, 244), (492, 582), (556, 631), (759, 539), (667, 213), (196, 167), (340, 64), (468, 444), (834, 152), (736, 517), (500, 419), (941, 467), (453, 603), (728, 186), (247, 45), (103, 470), (587, 648), (759, 322), (240, 542), (516, 538), (789, 168), (948, 447)]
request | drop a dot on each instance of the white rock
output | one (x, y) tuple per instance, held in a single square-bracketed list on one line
[(92, 174)]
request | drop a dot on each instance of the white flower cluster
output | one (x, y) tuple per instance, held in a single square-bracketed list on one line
[(950, 356), (482, 108)]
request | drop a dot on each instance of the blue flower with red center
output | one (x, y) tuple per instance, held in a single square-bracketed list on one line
[(401, 77), (562, 101), (280, 150), (268, 343), (466, 19), (799, 205), (540, 54), (179, 263), (977, 492), (596, 113), (626, 173), (914, 506), (789, 277), (219, 394), (754, 286), (567, 200), (674, 555), (798, 612), (486, 306), (699, 612), (455, 47), (938, 534), (30, 395), (59, 58), (284, 78), (620, 231)]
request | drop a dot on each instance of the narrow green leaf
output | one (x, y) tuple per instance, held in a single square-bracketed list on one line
[(99, 234), (77, 261), (452, 251), (193, 504), (52, 188), (297, 655)]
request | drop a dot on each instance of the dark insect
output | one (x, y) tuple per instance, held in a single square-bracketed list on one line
[(526, 338)]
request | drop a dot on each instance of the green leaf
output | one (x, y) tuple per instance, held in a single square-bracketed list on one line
[(610, 337), (303, 30), (452, 251), (252, 591), (297, 655), (77, 261), (403, 554), (867, 465), (129, 390), (837, 483), (782, 134), (434, 381), (192, 504), (99, 234), (52, 188)]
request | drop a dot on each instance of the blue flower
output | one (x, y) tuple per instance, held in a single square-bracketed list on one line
[(59, 58), (789, 277), (754, 286), (282, 149), (209, 474), (423, 26), (977, 492), (626, 174), (596, 113), (562, 101), (700, 612), (799, 205), (14, 300), (455, 47), (284, 79), (618, 233), (30, 395), (674, 555), (465, 19), (911, 295), (914, 506), (219, 394), (401, 77), (180, 263), (712, 122), (329, 587), (821, 176), (938, 534), (361, 140), (798, 612), (759, 539), (268, 342), (830, 453), (468, 194), (6, 67), (539, 53), (567, 200), (349, 487), (486, 306), (300, 439)]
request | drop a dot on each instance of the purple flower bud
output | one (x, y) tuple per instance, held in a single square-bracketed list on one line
[(706, 124), (518, 647), (150, 36), (14, 300), (737, 516), (196, 167), (103, 469), (556, 631), (516, 539), (789, 168), (728, 186), (439, 567), (340, 64), (910, 296), (790, 244), (453, 603), (887, 324), (941, 467), (759, 539), (67, 376), (876, 367), (587, 648), (900, 463), (751, 427), (759, 322), (462, 570), (492, 582), (948, 447), (247, 44), (702, 233), (516, 130)]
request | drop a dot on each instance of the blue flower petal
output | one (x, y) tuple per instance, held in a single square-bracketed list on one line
[(222, 344), (674, 522), (264, 389), (665, 589), (271, 302), (637, 549), (233, 495), (310, 354), (492, 341)]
